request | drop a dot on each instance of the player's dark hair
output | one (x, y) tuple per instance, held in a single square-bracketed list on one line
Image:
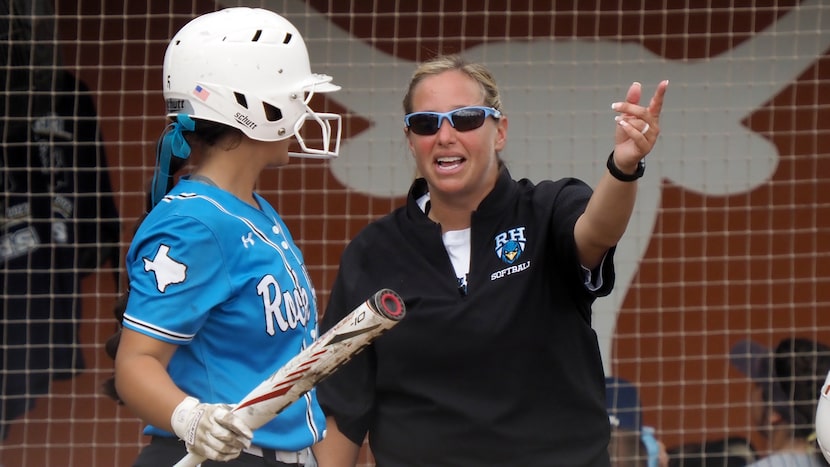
[(206, 134), (209, 134)]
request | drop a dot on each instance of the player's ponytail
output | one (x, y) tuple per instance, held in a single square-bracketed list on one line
[(171, 153)]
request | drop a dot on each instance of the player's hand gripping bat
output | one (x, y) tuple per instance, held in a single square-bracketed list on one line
[(358, 329)]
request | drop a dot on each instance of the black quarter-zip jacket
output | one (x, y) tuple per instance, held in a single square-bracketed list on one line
[(509, 374)]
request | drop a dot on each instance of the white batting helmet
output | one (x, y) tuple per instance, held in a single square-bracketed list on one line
[(247, 68)]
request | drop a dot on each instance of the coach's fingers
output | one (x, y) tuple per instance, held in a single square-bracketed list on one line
[(635, 91), (655, 106)]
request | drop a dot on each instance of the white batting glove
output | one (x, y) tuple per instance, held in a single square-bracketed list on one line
[(210, 430)]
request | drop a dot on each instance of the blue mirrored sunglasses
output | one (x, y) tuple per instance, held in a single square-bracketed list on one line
[(463, 119)]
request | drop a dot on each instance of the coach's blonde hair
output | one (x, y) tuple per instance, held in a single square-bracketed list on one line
[(442, 63)]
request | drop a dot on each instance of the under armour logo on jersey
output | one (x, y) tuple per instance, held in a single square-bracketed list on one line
[(510, 244), (167, 270), (248, 240)]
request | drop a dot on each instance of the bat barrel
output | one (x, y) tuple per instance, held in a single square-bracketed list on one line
[(389, 304)]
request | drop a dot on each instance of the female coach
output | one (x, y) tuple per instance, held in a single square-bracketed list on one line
[(496, 363)]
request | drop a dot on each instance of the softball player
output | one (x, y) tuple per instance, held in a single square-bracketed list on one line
[(219, 294)]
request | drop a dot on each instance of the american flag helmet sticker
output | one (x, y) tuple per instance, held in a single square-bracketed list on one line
[(201, 92)]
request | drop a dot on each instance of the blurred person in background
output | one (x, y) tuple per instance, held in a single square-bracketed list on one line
[(632, 443), (785, 383), (733, 451)]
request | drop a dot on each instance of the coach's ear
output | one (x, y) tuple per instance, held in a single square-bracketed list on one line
[(501, 133)]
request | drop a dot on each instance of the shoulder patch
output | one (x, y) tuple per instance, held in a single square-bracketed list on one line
[(166, 269)]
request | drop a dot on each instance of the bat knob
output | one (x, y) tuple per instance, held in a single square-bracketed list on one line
[(390, 304)]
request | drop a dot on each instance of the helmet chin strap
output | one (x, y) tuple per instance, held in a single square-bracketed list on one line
[(171, 144)]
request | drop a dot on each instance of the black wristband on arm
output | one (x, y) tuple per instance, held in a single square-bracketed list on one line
[(622, 176)]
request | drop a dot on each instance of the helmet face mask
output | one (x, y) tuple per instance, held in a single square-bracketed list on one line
[(324, 121), (248, 68)]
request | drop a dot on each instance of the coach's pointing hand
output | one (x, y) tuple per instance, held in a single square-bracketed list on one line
[(210, 430)]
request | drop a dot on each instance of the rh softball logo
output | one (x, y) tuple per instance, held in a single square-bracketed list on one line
[(510, 244)]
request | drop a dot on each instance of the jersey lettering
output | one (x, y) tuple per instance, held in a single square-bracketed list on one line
[(59, 232), (511, 270), (18, 243), (288, 308)]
